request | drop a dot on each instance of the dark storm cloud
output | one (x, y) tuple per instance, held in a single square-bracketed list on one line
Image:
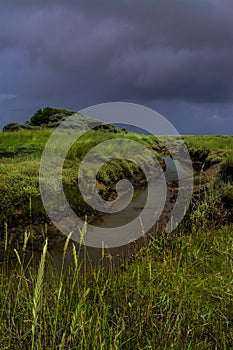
[(77, 53)]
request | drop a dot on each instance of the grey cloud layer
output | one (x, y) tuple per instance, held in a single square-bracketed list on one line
[(99, 50)]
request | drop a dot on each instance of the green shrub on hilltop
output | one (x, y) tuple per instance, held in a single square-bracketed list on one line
[(47, 117), (12, 127), (49, 114)]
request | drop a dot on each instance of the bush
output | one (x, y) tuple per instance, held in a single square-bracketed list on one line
[(12, 127), (43, 116), (103, 127)]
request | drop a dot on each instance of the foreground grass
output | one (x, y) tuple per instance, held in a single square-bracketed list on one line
[(177, 294)]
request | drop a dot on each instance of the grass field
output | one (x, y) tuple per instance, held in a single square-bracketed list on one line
[(176, 294), (20, 154), (211, 142)]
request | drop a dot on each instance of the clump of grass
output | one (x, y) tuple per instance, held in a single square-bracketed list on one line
[(23, 143), (227, 168), (17, 185), (210, 208)]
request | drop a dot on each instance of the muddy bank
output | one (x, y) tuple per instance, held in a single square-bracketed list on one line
[(39, 228), (39, 225)]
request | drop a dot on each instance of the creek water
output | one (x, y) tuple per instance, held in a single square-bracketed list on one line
[(116, 256)]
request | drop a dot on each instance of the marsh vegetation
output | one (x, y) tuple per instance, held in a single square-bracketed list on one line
[(176, 292)]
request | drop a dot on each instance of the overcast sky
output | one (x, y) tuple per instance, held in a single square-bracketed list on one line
[(175, 56)]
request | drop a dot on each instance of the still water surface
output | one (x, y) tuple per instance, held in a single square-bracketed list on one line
[(117, 255)]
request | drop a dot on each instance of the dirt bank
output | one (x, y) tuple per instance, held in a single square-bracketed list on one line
[(39, 228)]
